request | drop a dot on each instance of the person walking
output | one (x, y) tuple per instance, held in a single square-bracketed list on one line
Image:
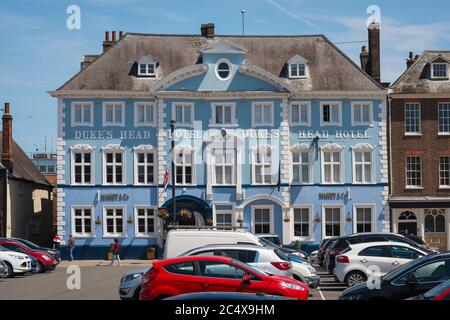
[(57, 246), (115, 252), (71, 246)]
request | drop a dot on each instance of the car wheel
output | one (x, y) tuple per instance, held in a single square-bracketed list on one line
[(39, 268), (136, 293), (9, 270), (354, 278)]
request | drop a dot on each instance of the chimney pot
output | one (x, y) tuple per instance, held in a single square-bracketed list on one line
[(411, 55), (106, 35), (113, 36), (416, 57), (120, 35), (7, 110)]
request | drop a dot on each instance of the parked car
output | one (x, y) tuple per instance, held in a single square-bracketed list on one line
[(313, 256), (321, 250), (180, 241), (226, 296), (292, 252), (342, 244), (327, 258), (37, 247), (3, 269), (16, 263), (130, 284), (34, 265), (440, 292), (44, 260), (409, 280), (360, 260), (304, 271), (275, 239), (191, 274), (269, 260)]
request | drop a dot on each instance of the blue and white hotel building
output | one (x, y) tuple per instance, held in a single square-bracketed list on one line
[(279, 134)]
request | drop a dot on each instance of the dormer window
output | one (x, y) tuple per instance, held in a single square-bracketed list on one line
[(298, 68), (439, 70), (223, 69), (147, 67)]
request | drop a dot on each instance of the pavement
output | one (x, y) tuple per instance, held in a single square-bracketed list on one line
[(100, 281)]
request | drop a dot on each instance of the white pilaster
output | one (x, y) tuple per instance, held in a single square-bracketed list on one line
[(161, 150)]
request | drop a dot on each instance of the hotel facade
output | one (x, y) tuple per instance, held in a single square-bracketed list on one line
[(277, 134)]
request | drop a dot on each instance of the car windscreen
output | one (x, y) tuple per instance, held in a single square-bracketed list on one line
[(437, 290), (3, 249), (396, 272), (281, 255), (29, 244), (249, 267)]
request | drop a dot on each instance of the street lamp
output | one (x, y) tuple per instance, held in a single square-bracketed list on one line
[(174, 202)]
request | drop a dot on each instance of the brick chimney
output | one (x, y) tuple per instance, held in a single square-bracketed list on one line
[(411, 59), (207, 30), (364, 56), (7, 154), (374, 64)]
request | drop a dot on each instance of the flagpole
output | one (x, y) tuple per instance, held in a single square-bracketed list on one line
[(174, 202)]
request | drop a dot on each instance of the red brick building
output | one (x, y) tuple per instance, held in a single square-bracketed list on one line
[(419, 134)]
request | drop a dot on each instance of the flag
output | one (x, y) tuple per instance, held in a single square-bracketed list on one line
[(166, 177)]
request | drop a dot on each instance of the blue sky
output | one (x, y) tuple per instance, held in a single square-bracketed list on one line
[(38, 53)]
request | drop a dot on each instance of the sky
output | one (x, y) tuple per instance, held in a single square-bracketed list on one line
[(38, 53)]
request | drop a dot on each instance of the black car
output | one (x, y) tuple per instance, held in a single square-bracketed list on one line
[(226, 296), (322, 248), (409, 280), (33, 246), (343, 243)]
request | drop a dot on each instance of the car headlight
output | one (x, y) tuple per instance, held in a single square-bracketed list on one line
[(47, 258), (292, 286), (311, 269), (132, 276)]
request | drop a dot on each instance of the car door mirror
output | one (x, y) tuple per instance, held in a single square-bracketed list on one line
[(411, 280), (246, 278)]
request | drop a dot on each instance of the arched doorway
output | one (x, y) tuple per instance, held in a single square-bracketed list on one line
[(191, 211), (407, 223), (435, 234)]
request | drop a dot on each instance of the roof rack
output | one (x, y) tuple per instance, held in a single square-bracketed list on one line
[(222, 228)]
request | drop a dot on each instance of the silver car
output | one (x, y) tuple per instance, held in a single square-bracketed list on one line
[(269, 260), (130, 284)]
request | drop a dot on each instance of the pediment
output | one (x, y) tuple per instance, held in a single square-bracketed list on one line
[(223, 47)]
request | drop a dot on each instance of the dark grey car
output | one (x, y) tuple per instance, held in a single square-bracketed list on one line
[(3, 269)]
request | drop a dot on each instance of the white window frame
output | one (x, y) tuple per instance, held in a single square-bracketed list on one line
[(355, 104), (114, 123), (144, 149), (372, 216), (303, 148), (421, 173), (415, 133), (84, 148), (230, 69), (212, 121), (271, 216), (138, 234), (124, 222), (83, 234), (262, 148), (230, 212), (310, 222), (183, 105), (442, 104), (331, 124), (82, 123), (272, 114), (332, 148), (308, 113), (439, 77), (443, 186), (298, 60), (183, 149), (223, 165), (342, 219), (147, 61), (363, 148), (146, 122), (114, 149)]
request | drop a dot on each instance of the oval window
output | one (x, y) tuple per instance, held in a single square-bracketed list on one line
[(223, 70)]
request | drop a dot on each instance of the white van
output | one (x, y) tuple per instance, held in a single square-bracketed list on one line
[(180, 241)]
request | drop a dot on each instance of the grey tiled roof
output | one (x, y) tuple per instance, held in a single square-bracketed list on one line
[(416, 80), (330, 69)]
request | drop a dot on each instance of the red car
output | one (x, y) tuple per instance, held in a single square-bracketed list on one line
[(44, 260), (176, 276)]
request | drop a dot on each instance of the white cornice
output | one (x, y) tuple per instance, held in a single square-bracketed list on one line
[(444, 95)]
